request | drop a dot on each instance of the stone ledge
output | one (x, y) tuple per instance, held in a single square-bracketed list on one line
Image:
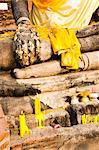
[(59, 139)]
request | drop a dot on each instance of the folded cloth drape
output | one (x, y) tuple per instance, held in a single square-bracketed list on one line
[(62, 18), (65, 42), (44, 4), (68, 13)]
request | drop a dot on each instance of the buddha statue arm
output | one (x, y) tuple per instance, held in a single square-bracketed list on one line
[(20, 10)]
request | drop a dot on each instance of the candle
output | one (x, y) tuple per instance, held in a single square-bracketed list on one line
[(23, 127), (38, 114), (37, 106)]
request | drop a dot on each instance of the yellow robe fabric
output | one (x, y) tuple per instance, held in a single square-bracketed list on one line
[(67, 13), (56, 15)]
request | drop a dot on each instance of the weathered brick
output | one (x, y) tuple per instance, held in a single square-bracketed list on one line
[(18, 147), (1, 112), (4, 132)]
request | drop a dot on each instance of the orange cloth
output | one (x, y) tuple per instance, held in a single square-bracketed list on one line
[(53, 4)]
